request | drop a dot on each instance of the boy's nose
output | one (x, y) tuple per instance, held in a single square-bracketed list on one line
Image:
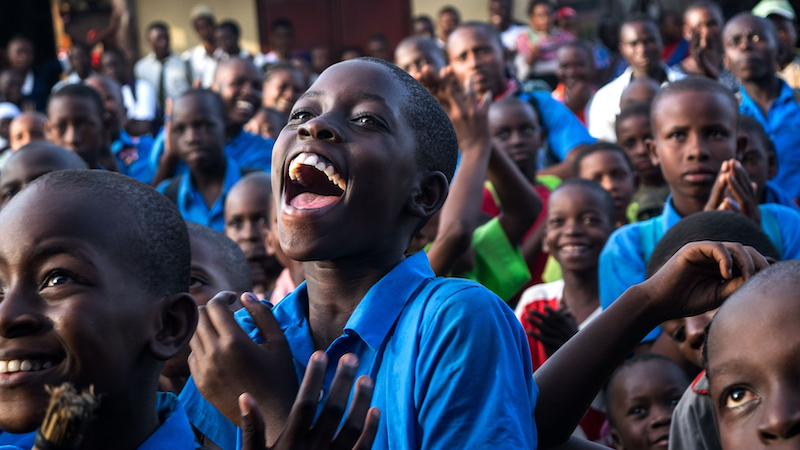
[(660, 416), (695, 329), (17, 317), (697, 149), (781, 418), (320, 129)]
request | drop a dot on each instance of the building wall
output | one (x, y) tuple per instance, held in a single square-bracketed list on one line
[(176, 14), (470, 9)]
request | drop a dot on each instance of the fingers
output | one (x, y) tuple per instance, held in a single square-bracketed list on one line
[(220, 315), (263, 318), (305, 405), (253, 428), (336, 403), (741, 260), (205, 334), (354, 423), (370, 430)]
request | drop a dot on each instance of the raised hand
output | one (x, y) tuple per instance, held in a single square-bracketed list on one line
[(359, 428), (733, 191), (225, 362)]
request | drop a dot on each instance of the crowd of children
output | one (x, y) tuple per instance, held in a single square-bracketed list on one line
[(506, 237)]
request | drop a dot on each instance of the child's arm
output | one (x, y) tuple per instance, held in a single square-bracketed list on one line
[(520, 205), (461, 210), (698, 278)]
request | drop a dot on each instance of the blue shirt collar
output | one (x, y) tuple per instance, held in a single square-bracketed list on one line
[(374, 316), (175, 431), (187, 190), (669, 216), (786, 94)]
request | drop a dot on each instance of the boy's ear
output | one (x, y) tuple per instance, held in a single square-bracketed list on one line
[(615, 438), (429, 194), (651, 150), (175, 325), (741, 144)]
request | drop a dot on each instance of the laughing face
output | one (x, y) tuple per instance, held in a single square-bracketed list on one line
[(72, 309), (238, 83), (344, 165)]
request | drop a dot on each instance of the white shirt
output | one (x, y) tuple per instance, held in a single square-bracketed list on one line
[(72, 78), (177, 76), (509, 37), (200, 60), (604, 107), (142, 106)]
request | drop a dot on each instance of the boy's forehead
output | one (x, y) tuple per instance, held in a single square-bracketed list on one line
[(638, 29), (360, 80), (678, 104), (68, 105)]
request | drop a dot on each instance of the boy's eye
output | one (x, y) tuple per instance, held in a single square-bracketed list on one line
[(196, 282), (737, 397), (555, 222), (677, 135), (637, 410), (235, 224), (300, 115), (679, 335), (590, 220), (58, 278), (7, 195)]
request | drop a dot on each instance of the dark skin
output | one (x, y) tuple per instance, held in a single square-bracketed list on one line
[(352, 116), (640, 44), (702, 28), (158, 38), (576, 70), (37, 160), (575, 217), (204, 26), (693, 134), (58, 305), (751, 51), (76, 124), (238, 82), (632, 135), (698, 278), (198, 135)]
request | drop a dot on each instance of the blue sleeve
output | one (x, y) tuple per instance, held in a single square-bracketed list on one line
[(19, 440), (622, 265), (564, 130), (206, 418), (474, 383), (789, 222), (251, 151), (157, 150)]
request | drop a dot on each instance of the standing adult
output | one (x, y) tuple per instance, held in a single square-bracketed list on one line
[(167, 72), (201, 56)]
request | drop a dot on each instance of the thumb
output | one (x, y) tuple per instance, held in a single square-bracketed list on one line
[(263, 318), (252, 424)]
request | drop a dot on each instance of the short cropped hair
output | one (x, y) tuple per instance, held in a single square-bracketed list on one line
[(231, 26), (426, 45), (638, 109), (706, 4), (599, 146), (608, 206), (719, 226), (281, 23), (81, 91), (230, 260), (448, 9), (751, 125), (534, 3), (157, 25), (639, 17), (273, 69), (693, 84), (484, 27), (636, 360), (219, 106), (157, 243), (436, 146)]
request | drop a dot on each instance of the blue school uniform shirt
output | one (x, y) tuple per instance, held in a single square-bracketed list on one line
[(450, 362), (781, 124), (248, 150), (175, 433), (623, 261), (136, 153), (193, 207), (564, 130), (775, 194)]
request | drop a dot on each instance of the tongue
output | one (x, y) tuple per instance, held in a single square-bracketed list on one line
[(309, 200)]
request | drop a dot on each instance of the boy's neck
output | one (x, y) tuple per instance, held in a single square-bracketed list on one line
[(686, 206), (122, 424), (654, 181), (335, 288), (581, 292), (210, 181), (233, 129), (763, 92), (657, 73)]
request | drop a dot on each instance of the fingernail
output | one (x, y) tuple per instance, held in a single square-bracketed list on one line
[(350, 360), (250, 297)]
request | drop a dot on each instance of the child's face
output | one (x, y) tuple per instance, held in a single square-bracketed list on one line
[(112, 100), (73, 308), (208, 278), (610, 170), (642, 400), (632, 134), (11, 86), (641, 90), (515, 131), (577, 228), (239, 85), (351, 124), (198, 131), (694, 133), (246, 216), (640, 44), (413, 59), (702, 20), (448, 22), (24, 130), (75, 124), (756, 160), (20, 172), (4, 127), (542, 18), (113, 66), (750, 52), (753, 370), (282, 90), (475, 56), (226, 40), (690, 335), (574, 65)]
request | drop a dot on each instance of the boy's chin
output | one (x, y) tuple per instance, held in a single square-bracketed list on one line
[(23, 416)]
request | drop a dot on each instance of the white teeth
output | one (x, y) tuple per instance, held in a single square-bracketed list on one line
[(241, 104), (317, 162), (24, 365)]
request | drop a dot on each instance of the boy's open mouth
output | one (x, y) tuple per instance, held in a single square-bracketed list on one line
[(313, 182), (27, 365)]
